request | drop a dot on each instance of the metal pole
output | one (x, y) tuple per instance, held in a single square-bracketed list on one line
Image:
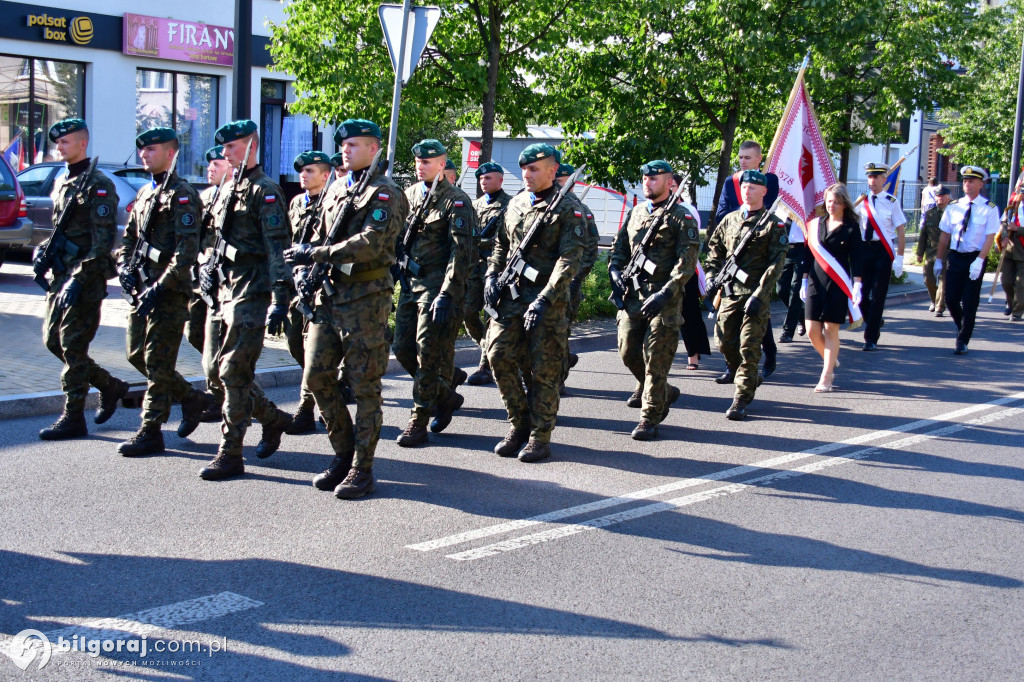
[(241, 91), (1015, 159), (399, 68)]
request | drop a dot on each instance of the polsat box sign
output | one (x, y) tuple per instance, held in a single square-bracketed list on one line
[(59, 29), (184, 41)]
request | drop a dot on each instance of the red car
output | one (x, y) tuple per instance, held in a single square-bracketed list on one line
[(15, 226)]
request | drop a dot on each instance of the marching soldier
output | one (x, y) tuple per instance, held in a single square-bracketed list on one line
[(1011, 237), (247, 277), (427, 320), (490, 211), (648, 326), (339, 166), (533, 326), (349, 327), (314, 169), (744, 309), (78, 256), (928, 244), (155, 267), (883, 227), (451, 173), (969, 226)]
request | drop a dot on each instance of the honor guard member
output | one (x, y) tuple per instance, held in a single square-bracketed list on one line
[(789, 285), (349, 327), (451, 173), (155, 267), (882, 225), (77, 256), (1011, 237), (250, 288), (490, 214), (430, 303), (648, 327), (314, 169), (927, 245), (339, 166), (743, 312), (534, 325), (969, 226)]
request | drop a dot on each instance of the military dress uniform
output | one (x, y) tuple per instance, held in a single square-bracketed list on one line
[(927, 246), (1012, 275), (555, 254), (648, 326), (78, 286), (884, 209), (740, 324), (255, 279), (423, 343), (349, 327)]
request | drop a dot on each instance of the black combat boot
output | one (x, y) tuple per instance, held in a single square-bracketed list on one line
[(737, 412), (513, 442), (726, 378), (148, 441), (482, 376), (224, 465), (270, 440), (636, 398), (109, 399), (645, 430), (302, 422), (445, 409), (192, 408), (770, 357), (459, 377), (673, 394), (356, 484), (535, 451), (68, 425), (412, 436), (335, 473)]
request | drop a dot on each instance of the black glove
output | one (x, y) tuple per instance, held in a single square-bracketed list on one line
[(753, 306), (535, 312), (491, 292), (574, 287), (441, 308), (208, 278), (616, 280), (69, 294), (300, 254), (40, 264), (653, 306), (148, 300), (277, 319), (128, 279)]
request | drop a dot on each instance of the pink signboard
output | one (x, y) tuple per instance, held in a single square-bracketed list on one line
[(184, 41)]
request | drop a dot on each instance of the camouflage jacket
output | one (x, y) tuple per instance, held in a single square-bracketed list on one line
[(928, 240), (673, 250), (173, 231), (762, 259), (92, 228), (443, 247), (590, 250), (206, 223), (304, 210), (364, 250)]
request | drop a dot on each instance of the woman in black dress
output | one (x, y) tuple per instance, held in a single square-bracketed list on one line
[(825, 303)]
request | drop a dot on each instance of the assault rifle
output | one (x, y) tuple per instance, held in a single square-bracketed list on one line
[(58, 243), (517, 266), (730, 270), (143, 249), (221, 248), (407, 265)]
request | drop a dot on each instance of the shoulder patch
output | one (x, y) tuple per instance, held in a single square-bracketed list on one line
[(784, 239), (458, 203), (578, 214), (187, 219), (590, 216), (182, 200), (379, 215), (460, 222), (688, 216), (578, 230), (383, 196), (103, 210), (891, 198), (101, 192), (991, 205), (691, 233), (274, 220), (270, 198)]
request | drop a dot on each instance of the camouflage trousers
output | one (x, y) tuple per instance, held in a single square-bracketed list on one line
[(151, 345), (350, 334), (296, 337), (476, 326), (426, 351), (647, 349), (234, 341), (935, 285), (738, 336), (572, 310), (67, 334), (195, 324), (1012, 279), (541, 352)]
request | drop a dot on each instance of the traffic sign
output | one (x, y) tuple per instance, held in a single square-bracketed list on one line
[(422, 21)]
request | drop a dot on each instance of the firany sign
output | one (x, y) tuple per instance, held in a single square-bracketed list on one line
[(185, 41)]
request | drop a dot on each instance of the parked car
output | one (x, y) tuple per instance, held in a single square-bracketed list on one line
[(37, 182), (15, 225)]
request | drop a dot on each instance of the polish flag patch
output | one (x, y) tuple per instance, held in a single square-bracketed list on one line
[(382, 196), (458, 203), (101, 192), (182, 200), (271, 199), (578, 214)]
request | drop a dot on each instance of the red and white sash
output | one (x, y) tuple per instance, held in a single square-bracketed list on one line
[(878, 230), (702, 280), (831, 266), (736, 185)]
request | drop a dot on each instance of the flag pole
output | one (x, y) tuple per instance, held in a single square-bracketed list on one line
[(896, 165)]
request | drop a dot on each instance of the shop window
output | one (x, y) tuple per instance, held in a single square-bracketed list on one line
[(35, 94), (285, 135), (183, 101)]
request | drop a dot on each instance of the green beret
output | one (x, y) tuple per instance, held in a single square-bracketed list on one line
[(876, 168), (309, 157), (941, 191), (558, 155), (336, 160), (450, 165), (565, 170), (489, 167), (754, 177), (428, 149), (214, 153), (155, 136), (68, 125), (356, 127), (976, 172), (236, 130), (657, 167), (536, 152)]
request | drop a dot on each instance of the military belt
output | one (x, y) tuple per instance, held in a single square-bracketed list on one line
[(364, 276)]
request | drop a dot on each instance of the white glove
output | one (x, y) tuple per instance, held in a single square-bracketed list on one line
[(938, 268), (976, 267), (897, 266), (803, 290), (858, 296)]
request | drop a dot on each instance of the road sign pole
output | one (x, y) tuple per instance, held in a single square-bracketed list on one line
[(396, 99)]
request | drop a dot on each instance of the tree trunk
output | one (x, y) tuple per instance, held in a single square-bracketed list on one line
[(491, 93), (724, 159), (844, 153)]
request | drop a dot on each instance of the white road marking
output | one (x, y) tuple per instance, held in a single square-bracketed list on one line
[(684, 483), (721, 491)]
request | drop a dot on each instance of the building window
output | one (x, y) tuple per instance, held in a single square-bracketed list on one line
[(185, 102), (35, 94), (285, 135)]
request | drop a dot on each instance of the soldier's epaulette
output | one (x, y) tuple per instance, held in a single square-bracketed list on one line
[(890, 197), (991, 205)]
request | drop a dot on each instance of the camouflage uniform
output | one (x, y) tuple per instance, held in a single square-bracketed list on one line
[(443, 250), (488, 208), (927, 245), (152, 342), (738, 334), (92, 228), (647, 347), (302, 211), (195, 325), (590, 254), (556, 254), (348, 328), (1012, 274)]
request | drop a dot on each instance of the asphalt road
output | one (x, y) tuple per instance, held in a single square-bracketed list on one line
[(872, 533)]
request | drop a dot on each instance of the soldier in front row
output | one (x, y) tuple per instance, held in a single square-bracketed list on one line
[(80, 268), (928, 244), (648, 327), (533, 328), (155, 267), (1011, 241), (745, 306)]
